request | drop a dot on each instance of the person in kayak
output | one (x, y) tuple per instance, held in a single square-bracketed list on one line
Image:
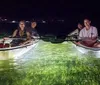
[(32, 30), (20, 33), (88, 34), (77, 31)]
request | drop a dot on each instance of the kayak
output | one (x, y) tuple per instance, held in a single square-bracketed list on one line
[(6, 51), (85, 49)]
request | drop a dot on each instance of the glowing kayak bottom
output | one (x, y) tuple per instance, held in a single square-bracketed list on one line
[(15, 53), (86, 50)]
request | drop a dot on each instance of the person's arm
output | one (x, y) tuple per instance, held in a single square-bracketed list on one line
[(81, 35), (28, 35), (28, 39), (35, 36), (75, 32), (95, 33), (15, 33)]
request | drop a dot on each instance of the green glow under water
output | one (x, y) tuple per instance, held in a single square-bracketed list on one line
[(52, 64)]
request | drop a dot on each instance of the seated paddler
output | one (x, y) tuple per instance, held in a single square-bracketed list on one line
[(88, 35), (20, 36)]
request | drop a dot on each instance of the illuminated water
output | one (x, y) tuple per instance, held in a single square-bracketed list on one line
[(51, 64)]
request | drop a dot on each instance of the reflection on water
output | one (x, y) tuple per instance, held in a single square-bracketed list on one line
[(4, 55), (11, 68), (6, 64)]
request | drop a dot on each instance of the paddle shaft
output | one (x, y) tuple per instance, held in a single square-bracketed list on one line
[(41, 37)]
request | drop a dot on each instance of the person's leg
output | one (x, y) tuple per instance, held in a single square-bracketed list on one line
[(84, 43), (97, 45), (14, 43)]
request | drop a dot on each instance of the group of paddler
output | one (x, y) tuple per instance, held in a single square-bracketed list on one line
[(25, 34), (88, 35)]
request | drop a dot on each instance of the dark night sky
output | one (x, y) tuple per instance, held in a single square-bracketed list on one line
[(76, 9), (73, 11)]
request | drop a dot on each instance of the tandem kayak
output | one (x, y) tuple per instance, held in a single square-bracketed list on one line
[(8, 52)]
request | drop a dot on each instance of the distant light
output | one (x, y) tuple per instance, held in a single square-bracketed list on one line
[(5, 19), (13, 21), (43, 21), (60, 20), (52, 20), (27, 21)]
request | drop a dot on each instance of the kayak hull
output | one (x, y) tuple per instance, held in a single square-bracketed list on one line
[(16, 52), (85, 50)]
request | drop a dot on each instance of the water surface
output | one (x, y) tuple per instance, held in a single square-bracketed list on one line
[(51, 64)]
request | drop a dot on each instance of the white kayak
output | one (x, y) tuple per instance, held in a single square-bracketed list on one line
[(84, 49), (16, 51)]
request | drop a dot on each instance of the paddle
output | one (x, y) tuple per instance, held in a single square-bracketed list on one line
[(68, 38), (55, 38), (16, 38), (75, 38)]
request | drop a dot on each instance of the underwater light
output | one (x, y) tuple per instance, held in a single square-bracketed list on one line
[(87, 51), (82, 50), (97, 54), (23, 51)]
